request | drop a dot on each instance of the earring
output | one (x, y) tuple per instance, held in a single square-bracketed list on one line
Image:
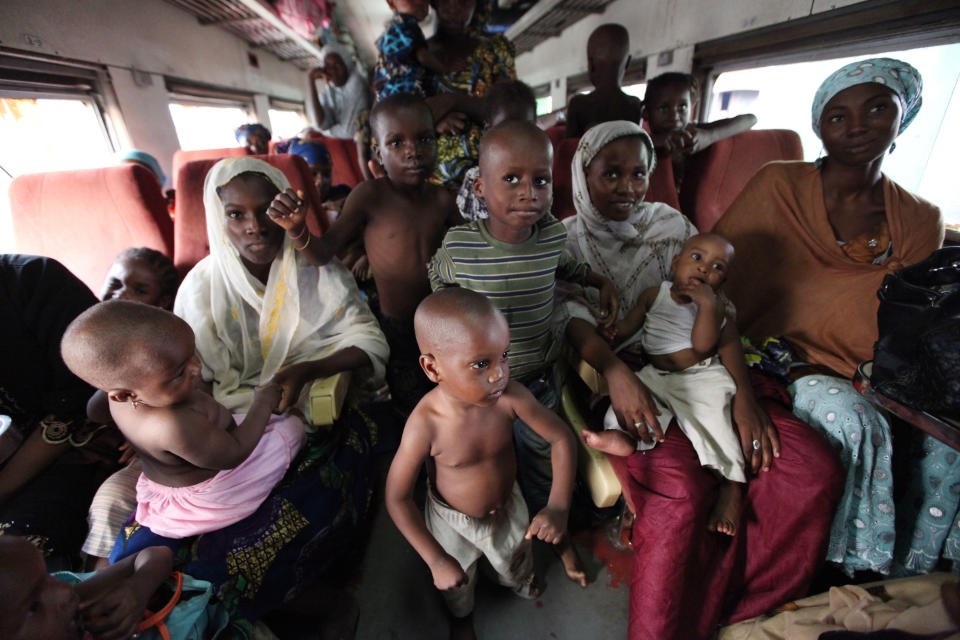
[(136, 403), (892, 147)]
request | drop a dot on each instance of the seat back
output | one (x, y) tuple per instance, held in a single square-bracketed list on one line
[(563, 178), (715, 176), (343, 156), (85, 218), (556, 133), (190, 226), (662, 187), (181, 157)]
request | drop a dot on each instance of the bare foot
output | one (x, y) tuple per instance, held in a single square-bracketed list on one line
[(615, 443), (571, 562), (725, 517), (462, 628)]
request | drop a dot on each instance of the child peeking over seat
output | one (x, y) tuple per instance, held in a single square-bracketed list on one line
[(506, 100), (109, 604), (142, 275), (463, 430), (401, 219), (201, 470), (669, 100), (683, 323)]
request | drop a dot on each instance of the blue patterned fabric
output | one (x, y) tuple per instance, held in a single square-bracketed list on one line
[(397, 69), (872, 530), (900, 77)]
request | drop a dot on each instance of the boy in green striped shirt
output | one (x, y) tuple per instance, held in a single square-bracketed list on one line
[(514, 257)]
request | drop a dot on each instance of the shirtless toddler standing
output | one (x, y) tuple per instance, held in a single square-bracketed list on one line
[(463, 430), (401, 218)]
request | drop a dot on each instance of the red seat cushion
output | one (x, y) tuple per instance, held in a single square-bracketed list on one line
[(715, 176), (190, 227), (85, 218), (556, 133), (563, 178), (181, 157), (662, 186), (343, 156)]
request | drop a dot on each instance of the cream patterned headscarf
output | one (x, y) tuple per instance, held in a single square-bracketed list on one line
[(636, 253), (246, 331)]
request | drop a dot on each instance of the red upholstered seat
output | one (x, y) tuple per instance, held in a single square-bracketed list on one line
[(556, 133), (563, 178), (190, 229), (662, 186), (181, 157), (85, 218), (343, 155), (715, 176)]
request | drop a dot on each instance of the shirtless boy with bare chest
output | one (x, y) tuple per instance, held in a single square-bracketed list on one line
[(463, 430), (202, 470), (401, 218)]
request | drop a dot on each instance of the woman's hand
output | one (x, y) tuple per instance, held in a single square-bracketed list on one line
[(758, 437), (127, 453), (361, 267), (609, 304), (318, 73), (632, 404), (291, 380)]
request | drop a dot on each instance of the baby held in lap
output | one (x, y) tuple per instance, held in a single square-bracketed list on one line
[(202, 470), (683, 323)]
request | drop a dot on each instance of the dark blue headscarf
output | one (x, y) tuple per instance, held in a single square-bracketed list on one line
[(312, 151), (245, 130)]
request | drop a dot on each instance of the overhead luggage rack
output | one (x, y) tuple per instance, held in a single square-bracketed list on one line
[(548, 18), (255, 22)]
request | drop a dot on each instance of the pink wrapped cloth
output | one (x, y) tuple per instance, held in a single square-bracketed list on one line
[(229, 496)]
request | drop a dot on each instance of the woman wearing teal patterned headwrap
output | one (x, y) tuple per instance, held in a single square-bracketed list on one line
[(814, 241)]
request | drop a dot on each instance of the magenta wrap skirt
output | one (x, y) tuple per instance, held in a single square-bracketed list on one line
[(687, 580)]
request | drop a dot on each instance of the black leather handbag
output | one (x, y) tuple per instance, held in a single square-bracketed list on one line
[(916, 359)]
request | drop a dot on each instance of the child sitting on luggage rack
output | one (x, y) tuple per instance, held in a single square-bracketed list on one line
[(683, 323), (202, 471), (669, 100), (463, 430), (404, 62), (109, 604)]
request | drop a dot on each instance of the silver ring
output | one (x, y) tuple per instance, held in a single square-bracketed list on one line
[(639, 424), (756, 445)]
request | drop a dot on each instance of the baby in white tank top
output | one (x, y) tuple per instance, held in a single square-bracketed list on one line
[(683, 322)]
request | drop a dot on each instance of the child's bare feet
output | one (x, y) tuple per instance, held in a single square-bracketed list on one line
[(571, 562), (462, 628), (615, 443), (725, 517)]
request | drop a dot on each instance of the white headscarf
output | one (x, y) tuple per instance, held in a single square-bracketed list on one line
[(246, 331), (636, 253), (342, 105)]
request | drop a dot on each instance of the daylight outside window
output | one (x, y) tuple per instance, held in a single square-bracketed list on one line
[(286, 123), (47, 134), (201, 126), (923, 159)]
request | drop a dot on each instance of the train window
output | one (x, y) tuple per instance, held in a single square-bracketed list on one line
[(923, 156), (637, 89), (544, 105), (47, 134), (286, 123), (207, 126)]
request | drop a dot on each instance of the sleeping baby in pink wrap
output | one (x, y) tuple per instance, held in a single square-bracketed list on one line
[(202, 470)]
